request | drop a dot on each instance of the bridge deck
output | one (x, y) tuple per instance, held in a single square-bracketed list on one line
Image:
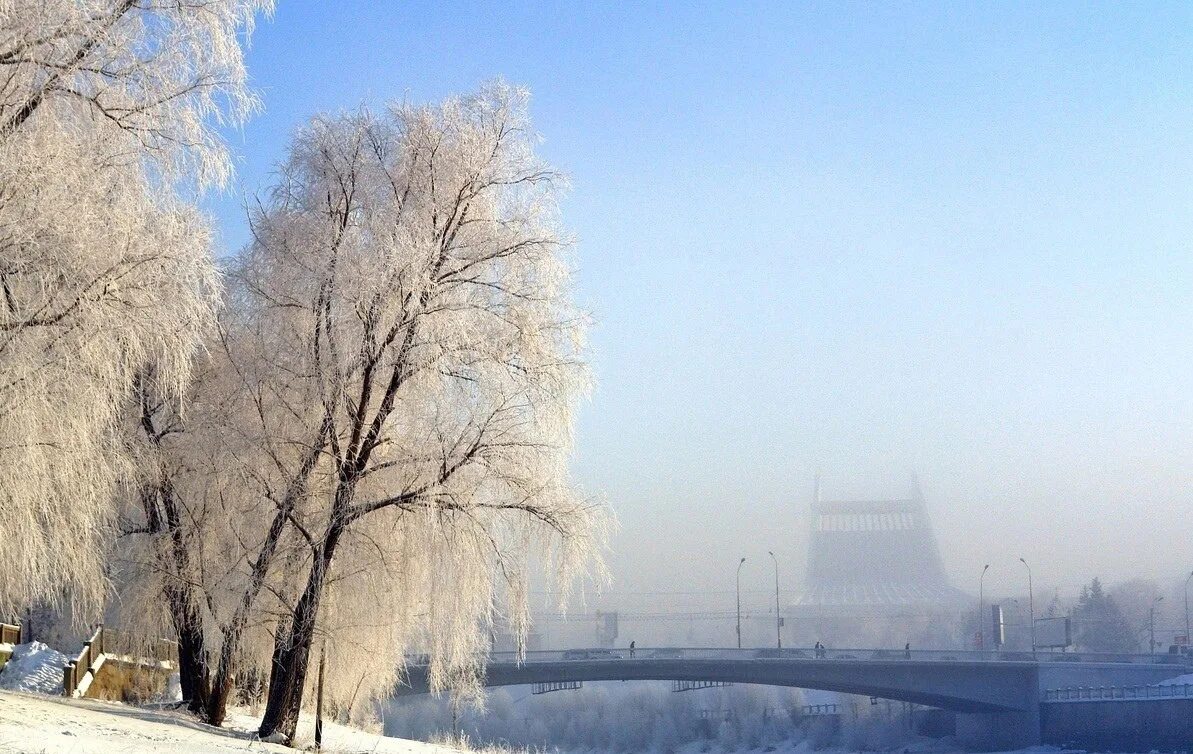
[(961, 681)]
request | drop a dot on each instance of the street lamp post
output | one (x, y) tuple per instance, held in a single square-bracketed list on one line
[(1151, 622), (982, 607), (1187, 638), (739, 565), (1031, 606), (778, 618)]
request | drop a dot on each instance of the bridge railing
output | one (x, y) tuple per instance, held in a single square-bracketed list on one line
[(1100, 693), (812, 653)]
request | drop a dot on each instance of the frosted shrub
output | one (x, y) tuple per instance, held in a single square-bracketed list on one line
[(614, 717)]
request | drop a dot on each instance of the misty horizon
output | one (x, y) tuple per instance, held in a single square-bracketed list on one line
[(881, 243)]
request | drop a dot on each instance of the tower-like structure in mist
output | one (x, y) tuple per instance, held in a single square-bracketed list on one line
[(874, 556)]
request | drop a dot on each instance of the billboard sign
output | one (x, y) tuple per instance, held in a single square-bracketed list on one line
[(1053, 633)]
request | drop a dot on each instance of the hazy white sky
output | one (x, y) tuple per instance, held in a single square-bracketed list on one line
[(846, 238)]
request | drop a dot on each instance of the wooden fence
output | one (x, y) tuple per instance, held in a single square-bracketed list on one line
[(116, 643), (10, 633)]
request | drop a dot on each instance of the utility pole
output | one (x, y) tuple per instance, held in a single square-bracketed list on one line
[(739, 565), (1031, 606), (982, 608), (778, 616)]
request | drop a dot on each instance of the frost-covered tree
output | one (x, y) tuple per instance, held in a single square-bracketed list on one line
[(174, 435), (152, 78), (96, 281), (105, 108), (208, 528), (407, 300), (1100, 623)]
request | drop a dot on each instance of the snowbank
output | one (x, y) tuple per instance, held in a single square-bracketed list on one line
[(35, 668), (30, 723), (1180, 680)]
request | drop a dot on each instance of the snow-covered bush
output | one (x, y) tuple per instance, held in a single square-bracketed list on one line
[(611, 717)]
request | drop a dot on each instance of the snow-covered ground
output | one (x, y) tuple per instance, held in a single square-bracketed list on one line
[(35, 718), (34, 667), (35, 723), (614, 721), (1180, 680)]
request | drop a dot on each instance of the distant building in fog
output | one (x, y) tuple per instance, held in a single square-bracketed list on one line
[(874, 558)]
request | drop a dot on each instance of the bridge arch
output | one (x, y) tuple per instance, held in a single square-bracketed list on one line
[(960, 681), (997, 695), (963, 687)]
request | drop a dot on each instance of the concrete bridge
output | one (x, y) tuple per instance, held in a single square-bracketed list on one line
[(998, 694)]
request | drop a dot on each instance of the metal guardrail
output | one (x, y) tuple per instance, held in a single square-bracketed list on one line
[(1104, 693), (680, 686), (547, 687), (810, 653)]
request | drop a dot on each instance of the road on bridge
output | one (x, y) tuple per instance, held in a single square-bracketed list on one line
[(975, 682)]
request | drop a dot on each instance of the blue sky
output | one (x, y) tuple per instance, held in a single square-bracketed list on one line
[(950, 239)]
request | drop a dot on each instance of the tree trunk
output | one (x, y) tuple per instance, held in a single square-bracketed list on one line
[(221, 685), (192, 651), (292, 651), (233, 632), (184, 610), (161, 515)]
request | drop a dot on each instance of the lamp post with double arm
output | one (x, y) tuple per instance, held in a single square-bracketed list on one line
[(1031, 606), (778, 617), (1188, 639), (739, 565), (982, 607)]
